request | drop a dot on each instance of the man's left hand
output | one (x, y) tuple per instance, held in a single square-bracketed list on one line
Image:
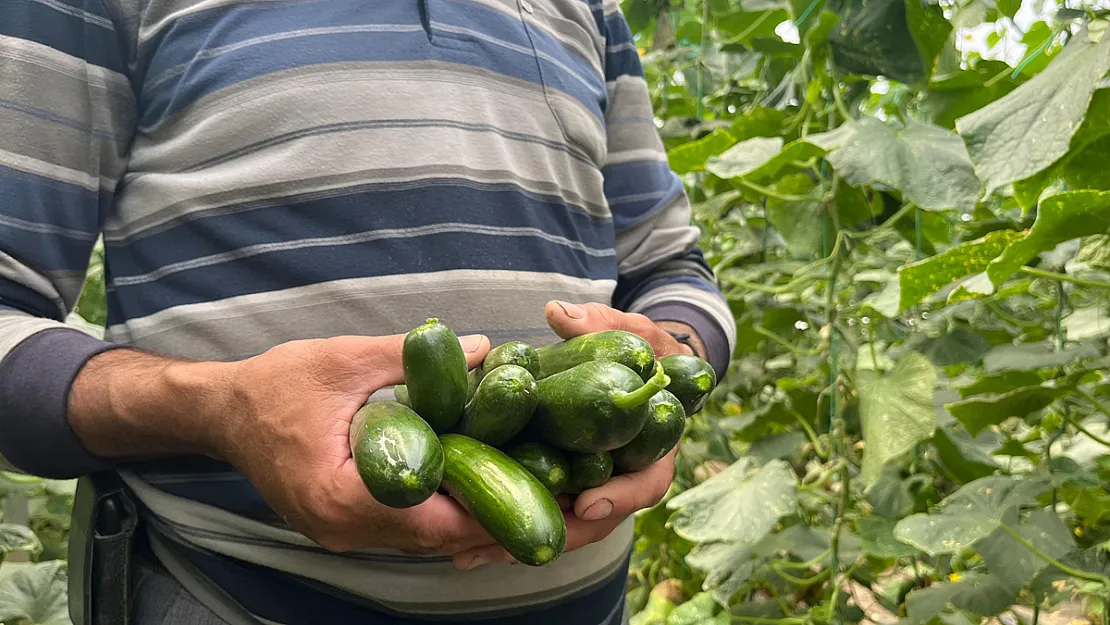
[(598, 511)]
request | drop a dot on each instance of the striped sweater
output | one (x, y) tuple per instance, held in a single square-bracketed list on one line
[(269, 170)]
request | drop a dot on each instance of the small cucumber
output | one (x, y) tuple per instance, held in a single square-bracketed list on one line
[(508, 501), (617, 346), (502, 405), (397, 454), (595, 406), (473, 378), (589, 471), (691, 380), (660, 434), (401, 394), (516, 353), (435, 374), (548, 464)]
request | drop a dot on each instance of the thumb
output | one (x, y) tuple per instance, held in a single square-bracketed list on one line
[(380, 356), (569, 320)]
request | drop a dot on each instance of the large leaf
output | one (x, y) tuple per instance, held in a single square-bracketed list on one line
[(738, 504), (745, 157), (692, 156), (874, 38), (35, 594), (896, 412), (984, 595), (797, 221), (1030, 356), (701, 609), (964, 457), (956, 94), (877, 535), (978, 413), (968, 515), (1002, 382), (1060, 218), (1028, 129), (918, 280), (926, 163), (1015, 564), (727, 567)]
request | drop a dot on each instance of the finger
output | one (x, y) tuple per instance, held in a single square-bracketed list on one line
[(480, 556), (444, 527), (583, 533), (381, 355), (624, 494), (565, 501), (569, 320)]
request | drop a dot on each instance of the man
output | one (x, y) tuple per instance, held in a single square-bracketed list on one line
[(284, 188)]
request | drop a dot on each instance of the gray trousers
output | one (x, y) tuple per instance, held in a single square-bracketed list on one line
[(159, 599)]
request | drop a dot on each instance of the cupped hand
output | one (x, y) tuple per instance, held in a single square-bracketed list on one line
[(595, 513), (288, 433)]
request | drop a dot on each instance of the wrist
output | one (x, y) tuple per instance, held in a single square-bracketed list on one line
[(686, 336), (128, 404)]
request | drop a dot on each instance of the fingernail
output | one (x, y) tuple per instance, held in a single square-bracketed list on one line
[(476, 562), (574, 311), (471, 343), (600, 510)]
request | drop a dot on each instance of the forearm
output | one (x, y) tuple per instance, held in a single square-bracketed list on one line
[(126, 404)]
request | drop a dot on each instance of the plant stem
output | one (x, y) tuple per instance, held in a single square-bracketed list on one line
[(1007, 317), (837, 97), (800, 581), (1074, 572), (656, 383), (771, 290), (762, 190), (1062, 277), (917, 231), (1060, 300), (818, 449), (888, 224)]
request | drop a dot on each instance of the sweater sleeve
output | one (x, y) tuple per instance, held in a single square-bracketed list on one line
[(662, 273), (68, 109)]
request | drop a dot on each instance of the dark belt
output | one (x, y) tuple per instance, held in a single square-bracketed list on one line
[(101, 540)]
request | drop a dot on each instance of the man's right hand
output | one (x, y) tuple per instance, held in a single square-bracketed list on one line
[(282, 418)]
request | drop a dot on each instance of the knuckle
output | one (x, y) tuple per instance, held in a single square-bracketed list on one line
[(428, 538)]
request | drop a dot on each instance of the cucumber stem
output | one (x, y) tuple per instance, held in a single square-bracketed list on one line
[(658, 381)]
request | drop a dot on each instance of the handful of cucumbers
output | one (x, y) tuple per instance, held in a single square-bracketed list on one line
[(527, 424)]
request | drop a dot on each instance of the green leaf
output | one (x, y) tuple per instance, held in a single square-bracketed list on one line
[(692, 156), (699, 610), (1008, 7), (896, 412), (954, 95), (1013, 563), (1002, 382), (759, 122), (742, 28), (17, 538), (926, 163), (1081, 167), (874, 39), (957, 346), (930, 31), (920, 279), (737, 505), (1060, 218), (36, 594), (984, 595), (777, 446), (965, 457), (745, 157), (877, 535), (727, 567), (1027, 130), (978, 413), (892, 496), (1029, 356), (969, 514), (797, 222), (655, 612)]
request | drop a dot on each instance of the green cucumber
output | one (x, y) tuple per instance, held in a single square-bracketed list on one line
[(397, 454), (516, 353), (691, 380), (589, 471), (508, 501), (660, 434), (617, 346), (435, 374), (502, 406), (401, 394), (548, 464), (595, 406), (473, 378)]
